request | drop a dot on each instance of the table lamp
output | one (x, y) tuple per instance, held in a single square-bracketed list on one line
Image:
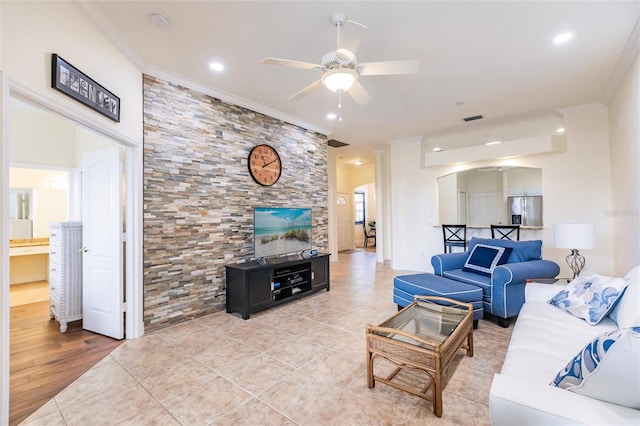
[(574, 236)]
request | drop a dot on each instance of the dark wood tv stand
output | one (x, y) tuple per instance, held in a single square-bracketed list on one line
[(254, 286)]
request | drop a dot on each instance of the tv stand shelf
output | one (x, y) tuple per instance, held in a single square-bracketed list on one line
[(254, 286)]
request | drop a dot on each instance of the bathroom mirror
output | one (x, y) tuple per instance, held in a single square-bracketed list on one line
[(491, 195), (37, 196)]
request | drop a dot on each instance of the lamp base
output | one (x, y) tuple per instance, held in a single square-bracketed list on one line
[(576, 262)]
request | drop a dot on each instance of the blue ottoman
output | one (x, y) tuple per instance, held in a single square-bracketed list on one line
[(407, 286)]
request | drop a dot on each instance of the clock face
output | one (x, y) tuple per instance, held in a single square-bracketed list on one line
[(264, 165)]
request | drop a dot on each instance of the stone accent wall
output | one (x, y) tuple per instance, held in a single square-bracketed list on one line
[(199, 196)]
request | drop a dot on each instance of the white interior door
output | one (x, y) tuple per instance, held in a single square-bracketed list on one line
[(345, 227), (102, 288)]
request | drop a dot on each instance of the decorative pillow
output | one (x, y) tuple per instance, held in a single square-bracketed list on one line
[(607, 368), (589, 298), (626, 312), (521, 251), (484, 258)]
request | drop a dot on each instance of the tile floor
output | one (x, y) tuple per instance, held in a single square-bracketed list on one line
[(299, 363)]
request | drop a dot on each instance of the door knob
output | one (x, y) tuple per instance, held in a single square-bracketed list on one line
[(84, 250)]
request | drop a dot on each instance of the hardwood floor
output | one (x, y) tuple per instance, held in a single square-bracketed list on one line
[(44, 361)]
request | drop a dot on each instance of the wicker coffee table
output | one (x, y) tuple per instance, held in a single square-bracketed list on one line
[(424, 336)]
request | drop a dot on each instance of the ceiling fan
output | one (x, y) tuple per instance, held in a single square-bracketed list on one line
[(340, 68)]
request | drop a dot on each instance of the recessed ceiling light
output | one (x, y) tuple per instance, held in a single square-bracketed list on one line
[(437, 149), (493, 143), (560, 130), (563, 37), (159, 20), (331, 116), (357, 162), (216, 66)]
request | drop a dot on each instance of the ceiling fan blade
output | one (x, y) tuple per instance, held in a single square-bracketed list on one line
[(359, 93), (304, 92), (292, 64), (410, 66), (351, 35)]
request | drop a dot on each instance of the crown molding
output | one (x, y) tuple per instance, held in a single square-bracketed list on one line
[(583, 107)]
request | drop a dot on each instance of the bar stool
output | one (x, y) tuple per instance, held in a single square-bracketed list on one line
[(506, 232), (454, 236)]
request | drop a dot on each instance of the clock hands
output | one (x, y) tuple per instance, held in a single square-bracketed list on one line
[(272, 161)]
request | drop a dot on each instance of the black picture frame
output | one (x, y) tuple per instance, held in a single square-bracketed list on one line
[(74, 83)]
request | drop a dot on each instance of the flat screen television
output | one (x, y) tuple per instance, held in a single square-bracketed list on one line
[(281, 230)]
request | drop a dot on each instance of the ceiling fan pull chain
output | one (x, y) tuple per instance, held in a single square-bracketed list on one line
[(340, 105)]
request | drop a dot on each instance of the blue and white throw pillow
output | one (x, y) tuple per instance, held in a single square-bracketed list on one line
[(484, 258), (607, 368), (590, 298)]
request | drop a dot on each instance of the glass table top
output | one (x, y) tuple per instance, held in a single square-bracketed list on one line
[(427, 320)]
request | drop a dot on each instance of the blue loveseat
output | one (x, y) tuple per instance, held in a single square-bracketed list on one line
[(503, 288)]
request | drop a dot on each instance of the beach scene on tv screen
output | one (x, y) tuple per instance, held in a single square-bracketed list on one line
[(281, 230)]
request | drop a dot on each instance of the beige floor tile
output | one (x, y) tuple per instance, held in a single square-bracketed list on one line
[(107, 374), (188, 375), (203, 406), (149, 361), (110, 407), (296, 351), (337, 368), (221, 353), (178, 333), (301, 397), (256, 374), (253, 413), (49, 412), (155, 416)]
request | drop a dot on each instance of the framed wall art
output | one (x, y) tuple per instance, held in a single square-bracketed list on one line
[(74, 83)]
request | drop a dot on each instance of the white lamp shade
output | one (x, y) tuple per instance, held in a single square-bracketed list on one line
[(574, 235), (339, 80)]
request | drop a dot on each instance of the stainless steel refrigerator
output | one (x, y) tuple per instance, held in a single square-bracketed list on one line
[(525, 210)]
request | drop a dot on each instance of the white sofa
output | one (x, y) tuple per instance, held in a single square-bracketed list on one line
[(544, 340)]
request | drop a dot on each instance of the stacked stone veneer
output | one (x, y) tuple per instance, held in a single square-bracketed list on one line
[(199, 196)]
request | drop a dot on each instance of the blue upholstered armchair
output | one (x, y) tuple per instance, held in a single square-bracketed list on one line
[(503, 286)]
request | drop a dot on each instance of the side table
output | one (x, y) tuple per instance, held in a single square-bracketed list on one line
[(424, 336)]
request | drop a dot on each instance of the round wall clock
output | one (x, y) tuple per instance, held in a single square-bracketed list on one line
[(264, 164)]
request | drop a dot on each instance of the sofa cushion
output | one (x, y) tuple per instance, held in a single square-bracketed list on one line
[(484, 258), (606, 368), (626, 312), (590, 298), (521, 251)]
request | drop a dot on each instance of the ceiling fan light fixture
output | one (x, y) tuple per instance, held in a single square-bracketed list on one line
[(339, 80)]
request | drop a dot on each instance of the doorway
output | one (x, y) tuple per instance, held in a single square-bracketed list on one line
[(95, 202), (52, 148)]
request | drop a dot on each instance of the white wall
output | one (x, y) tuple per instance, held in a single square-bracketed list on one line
[(572, 191), (448, 199), (41, 138), (624, 133)]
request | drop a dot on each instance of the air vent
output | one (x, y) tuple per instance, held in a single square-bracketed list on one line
[(474, 117), (336, 144)]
